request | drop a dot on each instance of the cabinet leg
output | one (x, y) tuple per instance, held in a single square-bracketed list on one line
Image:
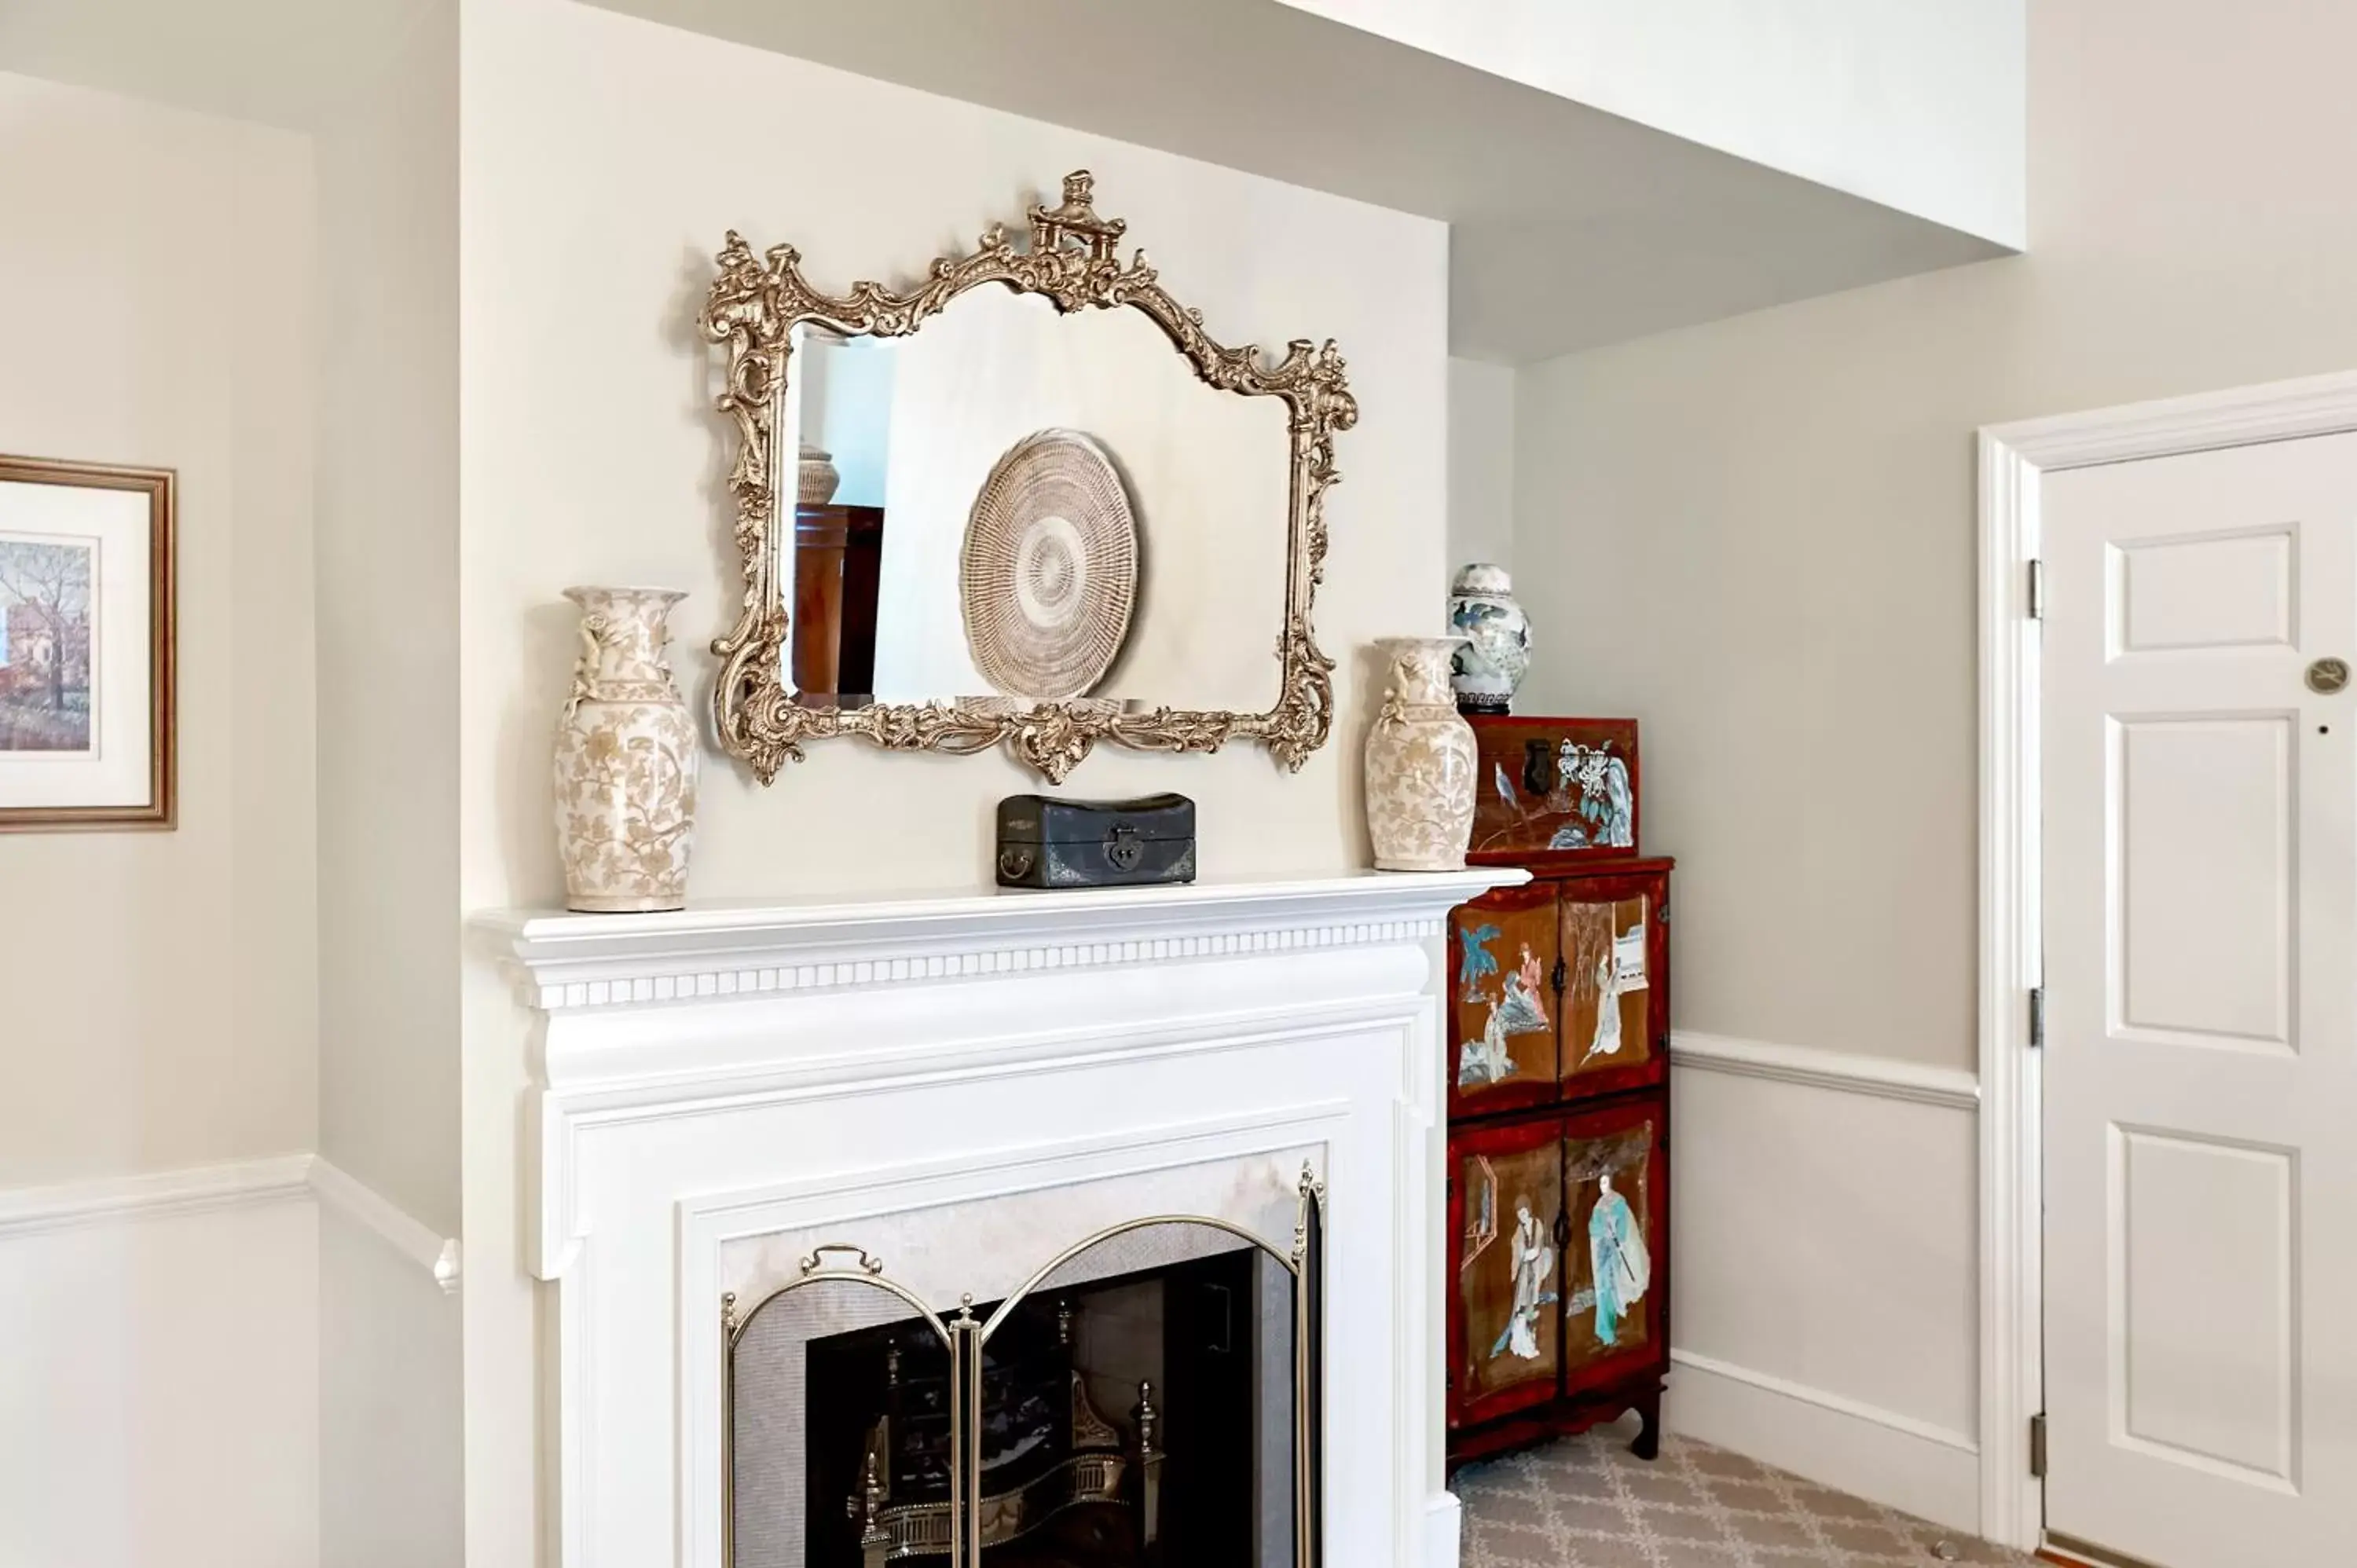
[(1648, 1445)]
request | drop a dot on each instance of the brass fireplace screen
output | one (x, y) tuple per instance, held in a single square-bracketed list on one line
[(1147, 1399)]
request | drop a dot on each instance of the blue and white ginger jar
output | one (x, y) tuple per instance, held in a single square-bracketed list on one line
[(1496, 653)]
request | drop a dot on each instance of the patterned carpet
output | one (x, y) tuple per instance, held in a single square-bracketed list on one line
[(1587, 1502)]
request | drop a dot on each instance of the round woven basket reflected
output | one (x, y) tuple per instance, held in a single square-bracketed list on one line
[(1049, 573)]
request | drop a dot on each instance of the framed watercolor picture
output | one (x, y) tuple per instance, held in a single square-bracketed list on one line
[(86, 633)]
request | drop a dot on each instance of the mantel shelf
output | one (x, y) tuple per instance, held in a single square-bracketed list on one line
[(730, 948)]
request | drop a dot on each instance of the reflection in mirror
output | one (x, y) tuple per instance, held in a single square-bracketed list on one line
[(905, 586)]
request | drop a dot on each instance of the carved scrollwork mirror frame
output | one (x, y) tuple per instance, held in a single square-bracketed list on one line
[(754, 304)]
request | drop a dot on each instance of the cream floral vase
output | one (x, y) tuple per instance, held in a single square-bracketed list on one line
[(626, 760), (1420, 765)]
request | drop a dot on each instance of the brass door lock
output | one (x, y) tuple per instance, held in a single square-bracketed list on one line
[(2328, 676)]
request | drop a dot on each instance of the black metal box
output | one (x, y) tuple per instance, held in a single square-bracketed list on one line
[(1047, 841)]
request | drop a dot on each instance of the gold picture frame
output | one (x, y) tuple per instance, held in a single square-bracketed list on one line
[(22, 606), (754, 304)]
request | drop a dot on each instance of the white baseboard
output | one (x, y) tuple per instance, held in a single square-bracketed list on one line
[(27, 1211), (1444, 1522), (1877, 1455), (406, 1234)]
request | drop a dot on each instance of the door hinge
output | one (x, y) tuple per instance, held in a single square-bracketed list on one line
[(2036, 590), (2037, 1445), (2037, 1018), (1561, 976)]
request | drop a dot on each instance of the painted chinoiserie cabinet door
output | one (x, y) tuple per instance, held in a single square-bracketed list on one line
[(1504, 996), (1615, 1265), (1505, 1319), (1615, 1005)]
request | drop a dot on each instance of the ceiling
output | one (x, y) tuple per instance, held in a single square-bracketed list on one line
[(1570, 228)]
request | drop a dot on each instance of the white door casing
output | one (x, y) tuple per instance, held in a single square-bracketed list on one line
[(2199, 804)]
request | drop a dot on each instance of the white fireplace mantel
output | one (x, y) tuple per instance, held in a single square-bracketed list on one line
[(745, 1071), (574, 962)]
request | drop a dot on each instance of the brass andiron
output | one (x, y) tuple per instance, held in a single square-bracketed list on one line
[(1149, 1467), (1096, 1470), (875, 1541)]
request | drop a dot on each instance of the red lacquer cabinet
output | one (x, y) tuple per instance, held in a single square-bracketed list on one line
[(1558, 1145)]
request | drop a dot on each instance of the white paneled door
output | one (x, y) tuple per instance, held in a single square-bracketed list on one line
[(2201, 1104)]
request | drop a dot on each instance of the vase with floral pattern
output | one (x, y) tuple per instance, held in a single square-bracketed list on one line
[(626, 760), (1420, 761)]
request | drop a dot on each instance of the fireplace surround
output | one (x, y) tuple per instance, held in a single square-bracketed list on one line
[(1024, 1126)]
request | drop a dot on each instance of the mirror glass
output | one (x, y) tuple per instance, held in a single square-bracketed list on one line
[(931, 565)]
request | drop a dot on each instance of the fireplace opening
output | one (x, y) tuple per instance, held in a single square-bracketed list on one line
[(1085, 1400), (1142, 1402)]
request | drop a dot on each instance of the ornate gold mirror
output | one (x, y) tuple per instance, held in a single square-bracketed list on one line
[(1028, 525)]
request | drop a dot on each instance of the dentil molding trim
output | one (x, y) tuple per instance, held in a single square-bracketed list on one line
[(1844, 1071), (570, 963)]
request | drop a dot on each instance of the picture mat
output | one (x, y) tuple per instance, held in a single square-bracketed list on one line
[(118, 770)]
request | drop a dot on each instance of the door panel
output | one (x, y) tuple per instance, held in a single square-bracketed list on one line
[(2204, 885), (1616, 1199), (2200, 1078), (2214, 591), (2206, 1346), (1505, 1327), (1616, 1006), (1503, 1001)]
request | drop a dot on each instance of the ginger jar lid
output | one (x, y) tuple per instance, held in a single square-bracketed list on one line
[(1482, 578)]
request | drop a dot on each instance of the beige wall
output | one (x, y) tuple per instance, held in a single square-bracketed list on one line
[(1481, 464), (156, 309), (387, 584), (594, 201), (1758, 535), (605, 158), (391, 1478)]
